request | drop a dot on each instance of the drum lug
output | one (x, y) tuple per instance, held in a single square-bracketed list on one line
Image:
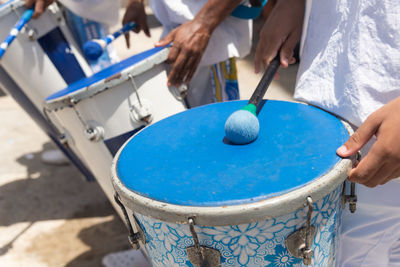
[(31, 34), (299, 242), (352, 198), (134, 238), (202, 256), (180, 93), (94, 134), (139, 111), (93, 131)]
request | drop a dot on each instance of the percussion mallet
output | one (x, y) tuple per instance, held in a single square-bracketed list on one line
[(26, 16), (94, 48), (242, 126)]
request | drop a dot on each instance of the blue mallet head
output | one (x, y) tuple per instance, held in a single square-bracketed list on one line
[(92, 50), (242, 126)]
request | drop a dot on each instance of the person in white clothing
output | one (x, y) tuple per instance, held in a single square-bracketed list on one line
[(350, 66), (205, 42)]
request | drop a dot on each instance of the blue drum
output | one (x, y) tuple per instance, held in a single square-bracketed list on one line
[(193, 199)]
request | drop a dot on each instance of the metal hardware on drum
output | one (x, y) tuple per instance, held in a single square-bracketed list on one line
[(133, 237), (299, 242), (141, 112), (201, 256), (63, 139), (352, 198), (181, 94), (32, 33), (93, 133)]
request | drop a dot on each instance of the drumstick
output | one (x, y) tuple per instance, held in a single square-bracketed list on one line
[(94, 48), (26, 16), (242, 126)]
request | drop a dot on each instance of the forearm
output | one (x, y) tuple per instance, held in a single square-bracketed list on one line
[(214, 12)]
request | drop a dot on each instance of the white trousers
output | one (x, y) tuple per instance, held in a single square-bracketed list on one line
[(370, 237)]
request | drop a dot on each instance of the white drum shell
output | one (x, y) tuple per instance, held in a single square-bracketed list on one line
[(110, 109), (26, 62)]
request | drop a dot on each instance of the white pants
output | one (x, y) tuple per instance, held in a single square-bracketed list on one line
[(370, 237)]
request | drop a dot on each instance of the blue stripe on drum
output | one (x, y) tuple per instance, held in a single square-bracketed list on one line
[(22, 99), (105, 73), (183, 159), (113, 144), (58, 50)]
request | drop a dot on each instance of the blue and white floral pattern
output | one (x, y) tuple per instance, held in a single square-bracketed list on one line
[(254, 244)]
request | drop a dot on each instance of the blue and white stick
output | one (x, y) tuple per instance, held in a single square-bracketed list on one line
[(26, 16), (94, 48)]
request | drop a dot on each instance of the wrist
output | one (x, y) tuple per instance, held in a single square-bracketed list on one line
[(204, 25), (214, 12)]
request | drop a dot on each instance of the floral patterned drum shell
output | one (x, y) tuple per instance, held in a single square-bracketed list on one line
[(193, 199)]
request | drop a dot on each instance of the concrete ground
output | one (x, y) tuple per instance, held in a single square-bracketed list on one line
[(50, 216)]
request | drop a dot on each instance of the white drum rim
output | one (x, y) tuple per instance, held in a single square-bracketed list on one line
[(233, 214), (108, 83), (8, 6)]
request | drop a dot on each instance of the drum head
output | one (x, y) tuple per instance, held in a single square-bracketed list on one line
[(184, 160), (78, 90)]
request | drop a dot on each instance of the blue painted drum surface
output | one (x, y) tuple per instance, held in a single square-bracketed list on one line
[(183, 159), (182, 165), (104, 74)]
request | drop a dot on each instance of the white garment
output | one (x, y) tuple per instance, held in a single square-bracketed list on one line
[(103, 11), (351, 58), (232, 38), (350, 66), (370, 237)]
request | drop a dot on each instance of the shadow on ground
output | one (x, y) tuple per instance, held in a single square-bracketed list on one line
[(60, 192)]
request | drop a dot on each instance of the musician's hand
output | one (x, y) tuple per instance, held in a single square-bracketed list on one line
[(40, 6), (135, 13), (189, 40), (282, 30), (382, 163)]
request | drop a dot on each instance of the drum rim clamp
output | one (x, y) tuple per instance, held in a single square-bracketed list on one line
[(141, 111), (93, 130), (201, 256), (351, 199), (299, 242), (134, 237)]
